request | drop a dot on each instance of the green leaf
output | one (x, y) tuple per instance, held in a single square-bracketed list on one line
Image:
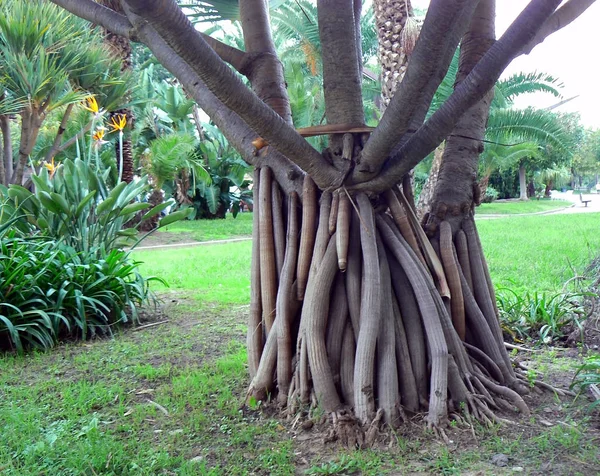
[(157, 209), (83, 203), (62, 203), (105, 205), (175, 216), (134, 208), (47, 201)]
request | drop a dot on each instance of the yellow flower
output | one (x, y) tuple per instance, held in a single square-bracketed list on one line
[(92, 105), (51, 167), (118, 122)]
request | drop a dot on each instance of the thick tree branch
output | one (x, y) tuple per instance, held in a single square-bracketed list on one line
[(473, 89), (237, 132), (341, 75), (265, 71), (173, 26), (444, 25), (99, 15), (120, 25), (559, 19), (458, 172)]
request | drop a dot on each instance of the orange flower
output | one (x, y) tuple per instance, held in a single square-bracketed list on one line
[(51, 166), (118, 122), (99, 134)]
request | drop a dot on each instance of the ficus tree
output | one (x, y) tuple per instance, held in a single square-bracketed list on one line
[(355, 307)]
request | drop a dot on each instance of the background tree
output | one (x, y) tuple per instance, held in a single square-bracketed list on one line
[(47, 60), (375, 344)]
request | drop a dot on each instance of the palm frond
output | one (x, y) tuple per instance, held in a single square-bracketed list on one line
[(527, 83), (540, 126), (217, 10)]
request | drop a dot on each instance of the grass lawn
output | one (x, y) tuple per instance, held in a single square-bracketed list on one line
[(168, 399), (518, 207), (208, 230), (539, 252)]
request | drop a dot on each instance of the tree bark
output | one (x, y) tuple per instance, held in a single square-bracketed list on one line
[(522, 182)]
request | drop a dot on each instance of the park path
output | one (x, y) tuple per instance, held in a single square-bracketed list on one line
[(576, 207)]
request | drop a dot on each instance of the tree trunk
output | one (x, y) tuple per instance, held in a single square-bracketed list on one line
[(121, 48), (426, 197), (390, 18), (31, 121), (522, 182), (7, 150)]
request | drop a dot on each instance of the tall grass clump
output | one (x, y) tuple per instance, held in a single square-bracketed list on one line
[(540, 316)]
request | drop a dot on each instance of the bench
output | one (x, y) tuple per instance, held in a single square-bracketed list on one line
[(585, 202)]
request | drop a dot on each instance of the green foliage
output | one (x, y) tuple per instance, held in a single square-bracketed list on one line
[(588, 374), (62, 270), (171, 154), (491, 194), (228, 185), (50, 57), (51, 291), (74, 207), (540, 315)]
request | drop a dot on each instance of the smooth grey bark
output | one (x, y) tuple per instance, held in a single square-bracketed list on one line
[(341, 74), (175, 29), (568, 12), (444, 25), (264, 70), (457, 189), (523, 182), (237, 132)]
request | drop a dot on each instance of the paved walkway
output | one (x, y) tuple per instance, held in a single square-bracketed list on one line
[(576, 206)]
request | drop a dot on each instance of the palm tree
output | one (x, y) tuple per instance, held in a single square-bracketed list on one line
[(395, 42), (513, 134), (169, 157)]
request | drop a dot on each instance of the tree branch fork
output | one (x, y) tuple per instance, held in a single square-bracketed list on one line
[(162, 25)]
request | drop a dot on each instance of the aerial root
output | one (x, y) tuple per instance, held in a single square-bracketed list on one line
[(538, 384)]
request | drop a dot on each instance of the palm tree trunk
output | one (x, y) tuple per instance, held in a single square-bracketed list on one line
[(522, 182), (121, 48), (390, 18)]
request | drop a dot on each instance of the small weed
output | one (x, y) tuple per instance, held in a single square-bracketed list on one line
[(588, 374)]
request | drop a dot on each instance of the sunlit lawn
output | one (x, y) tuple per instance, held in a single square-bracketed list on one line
[(518, 207), (539, 252), (208, 230), (166, 400)]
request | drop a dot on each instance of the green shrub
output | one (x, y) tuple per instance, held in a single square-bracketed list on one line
[(542, 316), (491, 194), (50, 291), (63, 272)]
